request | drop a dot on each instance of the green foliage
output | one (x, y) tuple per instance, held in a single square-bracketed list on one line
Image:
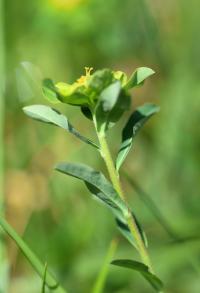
[(100, 80), (143, 269), (49, 91), (138, 77), (49, 115), (103, 98), (103, 190), (111, 105), (135, 122), (97, 184), (124, 229)]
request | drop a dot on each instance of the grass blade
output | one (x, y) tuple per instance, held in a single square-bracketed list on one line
[(44, 279), (31, 257), (101, 279)]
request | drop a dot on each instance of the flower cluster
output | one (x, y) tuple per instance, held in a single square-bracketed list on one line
[(94, 90)]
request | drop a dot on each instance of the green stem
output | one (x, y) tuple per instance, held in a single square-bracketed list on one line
[(100, 282), (106, 155)]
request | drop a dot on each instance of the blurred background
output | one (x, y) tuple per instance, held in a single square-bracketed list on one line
[(55, 214)]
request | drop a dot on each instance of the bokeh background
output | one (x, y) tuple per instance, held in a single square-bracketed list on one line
[(54, 213)]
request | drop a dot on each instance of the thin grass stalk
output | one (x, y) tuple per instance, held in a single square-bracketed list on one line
[(101, 278)]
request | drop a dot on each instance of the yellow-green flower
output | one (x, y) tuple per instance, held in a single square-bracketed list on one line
[(87, 89)]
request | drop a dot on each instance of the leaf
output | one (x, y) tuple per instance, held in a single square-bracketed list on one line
[(86, 112), (134, 124), (155, 282), (97, 184), (112, 103), (51, 116), (124, 229), (102, 190), (138, 77), (49, 91), (28, 80), (122, 104), (31, 257), (106, 103), (99, 80)]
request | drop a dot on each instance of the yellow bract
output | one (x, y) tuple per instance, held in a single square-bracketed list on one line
[(121, 76), (66, 89), (83, 79)]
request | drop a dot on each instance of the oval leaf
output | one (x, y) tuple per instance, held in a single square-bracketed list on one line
[(155, 282), (134, 124), (138, 77), (49, 115)]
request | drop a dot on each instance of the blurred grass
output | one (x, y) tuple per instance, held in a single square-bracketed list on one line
[(60, 38)]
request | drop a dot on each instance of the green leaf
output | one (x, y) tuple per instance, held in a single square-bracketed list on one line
[(51, 116), (49, 91), (86, 112), (134, 124), (106, 103), (155, 282), (122, 104), (138, 77), (112, 103), (98, 185), (102, 190), (125, 231), (31, 257), (99, 80)]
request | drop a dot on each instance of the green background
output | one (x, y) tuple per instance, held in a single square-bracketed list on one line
[(55, 213)]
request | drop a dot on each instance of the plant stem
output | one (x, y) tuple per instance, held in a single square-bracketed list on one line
[(100, 282), (106, 155)]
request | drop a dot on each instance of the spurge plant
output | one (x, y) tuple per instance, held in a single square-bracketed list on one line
[(103, 97)]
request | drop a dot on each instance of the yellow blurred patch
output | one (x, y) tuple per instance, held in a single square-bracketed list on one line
[(65, 4)]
